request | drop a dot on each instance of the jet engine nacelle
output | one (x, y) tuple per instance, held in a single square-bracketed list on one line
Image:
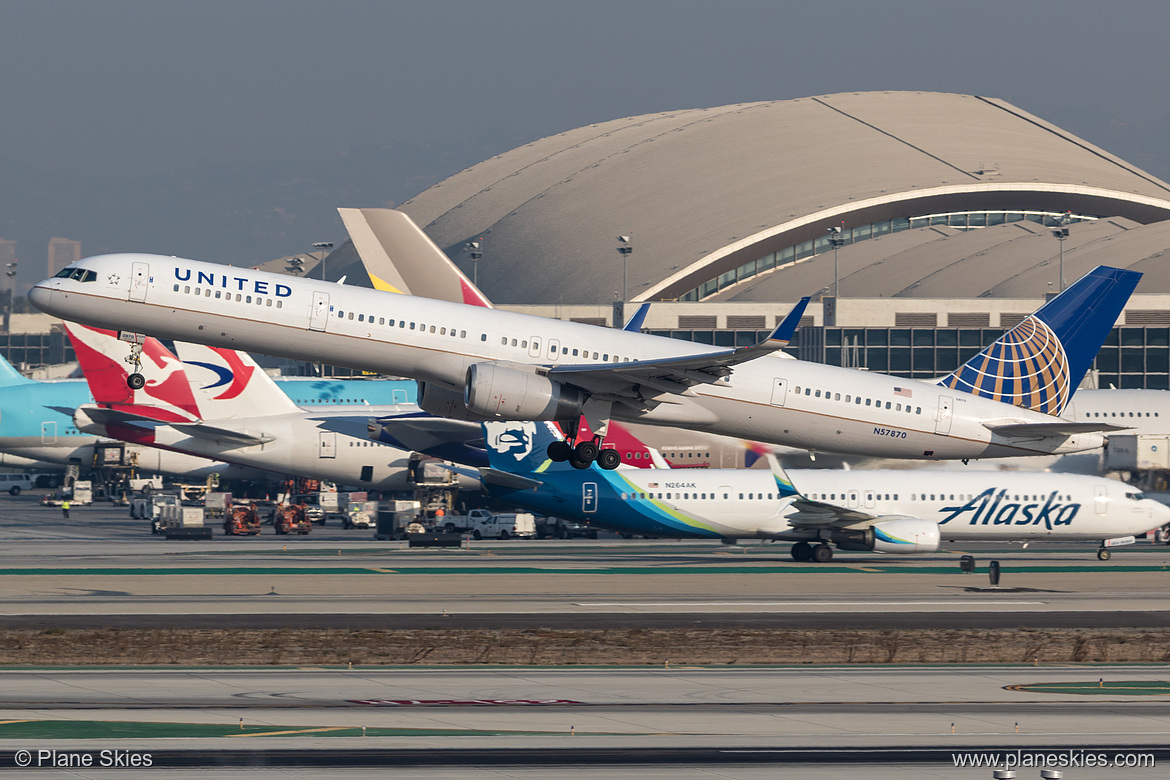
[(502, 393), (441, 402), (896, 534)]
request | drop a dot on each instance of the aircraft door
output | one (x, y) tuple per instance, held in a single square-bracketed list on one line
[(853, 499), (327, 447), (779, 391), (399, 396), (319, 317), (942, 423), (589, 497), (139, 280), (869, 500), (1100, 499), (534, 347), (48, 432), (554, 349)]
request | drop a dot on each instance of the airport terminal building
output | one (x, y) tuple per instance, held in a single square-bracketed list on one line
[(947, 218)]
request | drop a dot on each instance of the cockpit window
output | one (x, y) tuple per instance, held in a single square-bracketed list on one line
[(1135, 496), (77, 274)]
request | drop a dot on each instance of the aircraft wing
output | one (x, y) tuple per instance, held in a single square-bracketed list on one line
[(818, 514), (674, 375), (1058, 428)]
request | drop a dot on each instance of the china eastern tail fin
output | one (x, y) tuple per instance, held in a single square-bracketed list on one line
[(165, 397), (229, 385), (1039, 363)]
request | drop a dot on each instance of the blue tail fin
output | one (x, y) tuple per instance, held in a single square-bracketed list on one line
[(1039, 363), (519, 447), (9, 376)]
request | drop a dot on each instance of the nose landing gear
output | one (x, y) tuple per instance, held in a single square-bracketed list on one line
[(135, 381)]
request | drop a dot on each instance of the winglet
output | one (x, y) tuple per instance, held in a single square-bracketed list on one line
[(634, 324), (787, 327), (783, 483)]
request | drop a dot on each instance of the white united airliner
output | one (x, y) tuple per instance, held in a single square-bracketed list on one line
[(489, 364)]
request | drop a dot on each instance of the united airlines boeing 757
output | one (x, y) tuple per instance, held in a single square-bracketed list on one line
[(487, 364)]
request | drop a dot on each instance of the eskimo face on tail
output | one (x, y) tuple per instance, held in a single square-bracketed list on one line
[(1026, 367), (515, 439)]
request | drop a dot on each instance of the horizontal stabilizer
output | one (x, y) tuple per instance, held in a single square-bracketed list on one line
[(506, 479), (222, 435), (1060, 428)]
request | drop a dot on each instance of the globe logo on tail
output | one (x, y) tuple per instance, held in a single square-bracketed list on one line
[(1026, 367)]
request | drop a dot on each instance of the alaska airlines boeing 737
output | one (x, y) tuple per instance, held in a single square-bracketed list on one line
[(479, 363), (901, 512)]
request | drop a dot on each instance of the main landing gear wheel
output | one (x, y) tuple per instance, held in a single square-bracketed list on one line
[(822, 553), (136, 381), (802, 551), (1104, 554), (577, 463), (586, 451), (609, 459), (559, 451)]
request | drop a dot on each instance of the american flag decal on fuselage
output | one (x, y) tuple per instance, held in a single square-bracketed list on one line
[(1027, 366)]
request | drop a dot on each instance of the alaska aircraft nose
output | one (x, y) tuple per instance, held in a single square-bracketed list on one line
[(41, 296)]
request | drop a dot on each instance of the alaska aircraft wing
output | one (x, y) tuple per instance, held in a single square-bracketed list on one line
[(811, 513), (676, 374), (1058, 428)]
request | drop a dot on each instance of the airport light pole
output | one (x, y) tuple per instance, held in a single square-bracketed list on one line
[(625, 248), (475, 254), (837, 240), (324, 246), (1061, 234)]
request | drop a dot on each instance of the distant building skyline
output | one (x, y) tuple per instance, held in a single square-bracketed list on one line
[(62, 252)]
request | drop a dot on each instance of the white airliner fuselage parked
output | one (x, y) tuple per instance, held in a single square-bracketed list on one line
[(490, 364), (900, 512)]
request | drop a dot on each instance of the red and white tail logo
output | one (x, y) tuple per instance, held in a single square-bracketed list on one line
[(166, 397), (228, 384)]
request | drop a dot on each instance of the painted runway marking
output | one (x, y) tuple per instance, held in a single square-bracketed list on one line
[(803, 603), (459, 702)]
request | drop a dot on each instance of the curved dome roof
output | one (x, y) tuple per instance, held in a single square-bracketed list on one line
[(703, 191)]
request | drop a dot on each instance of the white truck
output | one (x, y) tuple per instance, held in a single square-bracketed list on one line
[(482, 524), (176, 521)]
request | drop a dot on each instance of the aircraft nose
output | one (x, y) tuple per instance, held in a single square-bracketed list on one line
[(41, 296)]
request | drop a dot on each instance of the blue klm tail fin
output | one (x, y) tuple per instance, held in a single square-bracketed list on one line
[(9, 376), (520, 447), (1039, 363)]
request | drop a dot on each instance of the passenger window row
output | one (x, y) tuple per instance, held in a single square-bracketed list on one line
[(205, 292), (874, 402)]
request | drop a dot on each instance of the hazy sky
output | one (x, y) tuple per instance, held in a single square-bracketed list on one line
[(232, 130)]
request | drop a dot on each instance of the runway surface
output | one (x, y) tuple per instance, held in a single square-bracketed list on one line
[(102, 569), (784, 717)]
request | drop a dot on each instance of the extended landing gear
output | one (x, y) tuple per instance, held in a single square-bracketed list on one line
[(135, 381), (1103, 554), (583, 453), (803, 551)]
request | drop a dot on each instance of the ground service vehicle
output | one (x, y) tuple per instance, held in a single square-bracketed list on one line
[(292, 519), (15, 483), (182, 522), (482, 524)]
